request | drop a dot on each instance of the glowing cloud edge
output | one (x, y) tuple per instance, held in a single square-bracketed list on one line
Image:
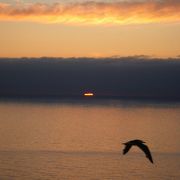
[(94, 13)]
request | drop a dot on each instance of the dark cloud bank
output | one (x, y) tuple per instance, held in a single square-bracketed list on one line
[(130, 77)]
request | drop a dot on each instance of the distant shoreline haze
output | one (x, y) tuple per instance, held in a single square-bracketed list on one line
[(127, 77)]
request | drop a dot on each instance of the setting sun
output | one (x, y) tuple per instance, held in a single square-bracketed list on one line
[(88, 94)]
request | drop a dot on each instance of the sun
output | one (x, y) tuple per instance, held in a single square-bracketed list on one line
[(88, 94)]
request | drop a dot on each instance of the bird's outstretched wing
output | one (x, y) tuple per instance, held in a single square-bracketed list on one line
[(126, 149), (145, 149)]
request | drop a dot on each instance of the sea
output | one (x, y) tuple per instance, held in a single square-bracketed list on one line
[(81, 139)]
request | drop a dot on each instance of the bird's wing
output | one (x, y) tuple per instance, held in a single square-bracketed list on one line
[(145, 149), (126, 149)]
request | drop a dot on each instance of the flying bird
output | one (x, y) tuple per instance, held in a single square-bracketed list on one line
[(141, 145)]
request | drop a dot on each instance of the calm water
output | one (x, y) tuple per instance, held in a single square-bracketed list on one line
[(82, 139)]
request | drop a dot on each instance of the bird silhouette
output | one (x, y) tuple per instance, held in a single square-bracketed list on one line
[(141, 145)]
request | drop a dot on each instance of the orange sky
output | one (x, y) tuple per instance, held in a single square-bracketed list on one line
[(90, 28)]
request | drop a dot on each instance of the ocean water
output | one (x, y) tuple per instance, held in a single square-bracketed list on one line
[(82, 139)]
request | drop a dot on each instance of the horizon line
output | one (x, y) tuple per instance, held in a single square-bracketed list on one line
[(138, 56)]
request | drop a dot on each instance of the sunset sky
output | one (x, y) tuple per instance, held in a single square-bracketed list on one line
[(96, 28)]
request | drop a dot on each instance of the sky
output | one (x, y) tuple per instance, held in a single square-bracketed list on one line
[(93, 28)]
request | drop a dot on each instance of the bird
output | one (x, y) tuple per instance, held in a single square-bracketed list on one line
[(141, 145)]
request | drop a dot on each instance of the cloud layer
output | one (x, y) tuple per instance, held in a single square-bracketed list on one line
[(126, 12), (130, 77)]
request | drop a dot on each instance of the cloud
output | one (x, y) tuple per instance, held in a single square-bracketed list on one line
[(128, 77), (124, 12)]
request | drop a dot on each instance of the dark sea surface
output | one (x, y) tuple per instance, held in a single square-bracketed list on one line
[(82, 139)]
